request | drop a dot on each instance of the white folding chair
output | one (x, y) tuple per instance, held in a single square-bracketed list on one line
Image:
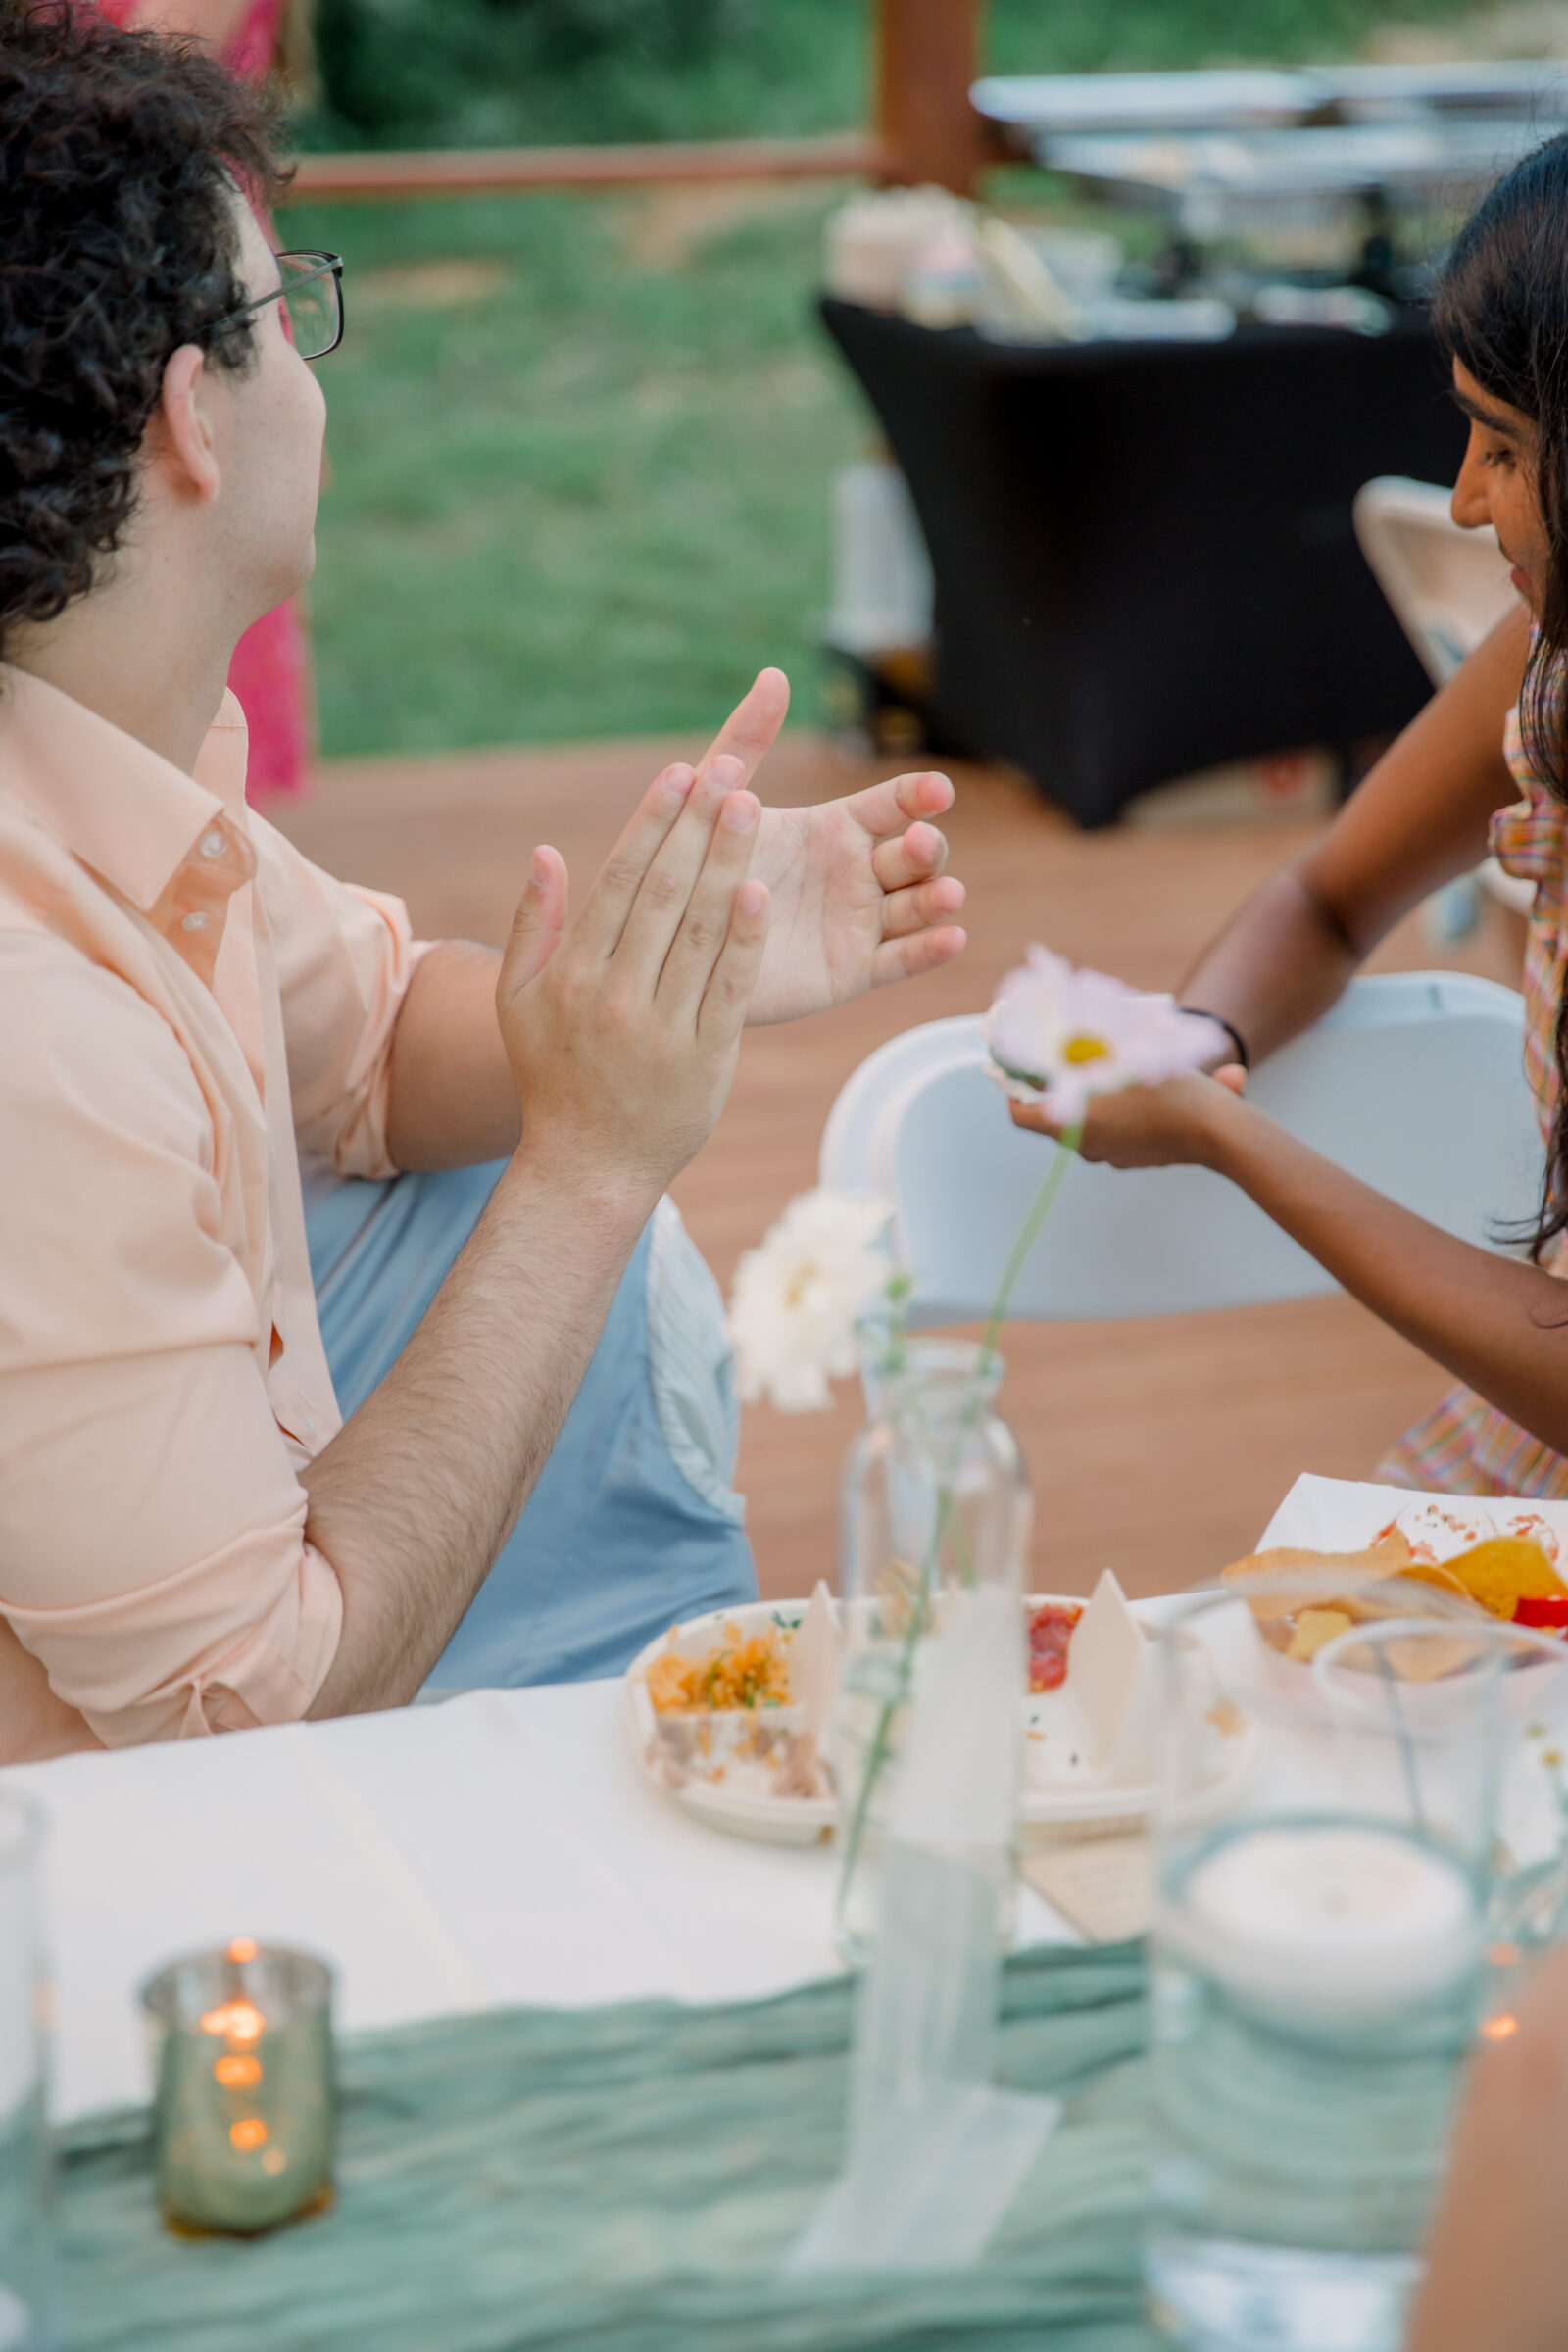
[(1414, 1083), (1448, 588)]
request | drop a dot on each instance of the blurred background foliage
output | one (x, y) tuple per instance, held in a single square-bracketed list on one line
[(489, 72), (580, 446)]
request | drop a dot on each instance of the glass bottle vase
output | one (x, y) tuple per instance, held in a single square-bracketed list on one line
[(935, 1501)]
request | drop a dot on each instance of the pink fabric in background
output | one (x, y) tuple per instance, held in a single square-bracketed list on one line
[(270, 677), (270, 671), (251, 52)]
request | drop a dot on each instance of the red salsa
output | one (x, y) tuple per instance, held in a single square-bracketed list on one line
[(1547, 1610), (1049, 1633)]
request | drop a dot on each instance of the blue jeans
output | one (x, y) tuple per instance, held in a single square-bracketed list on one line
[(632, 1523)]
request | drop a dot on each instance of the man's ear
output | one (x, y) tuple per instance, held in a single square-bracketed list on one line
[(185, 435)]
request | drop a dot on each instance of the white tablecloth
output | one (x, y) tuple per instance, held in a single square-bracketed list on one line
[(504, 1847), (501, 1848)]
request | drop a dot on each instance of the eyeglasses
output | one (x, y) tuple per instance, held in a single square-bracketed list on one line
[(312, 295)]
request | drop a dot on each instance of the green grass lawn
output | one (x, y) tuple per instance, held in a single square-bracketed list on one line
[(580, 486), (592, 501)]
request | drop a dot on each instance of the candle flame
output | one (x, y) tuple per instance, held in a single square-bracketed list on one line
[(249, 2133), (1498, 2028), (236, 2072), (243, 1947), (237, 2021)]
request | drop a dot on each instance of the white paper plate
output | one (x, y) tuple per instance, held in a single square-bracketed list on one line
[(1045, 1814), (776, 1820)]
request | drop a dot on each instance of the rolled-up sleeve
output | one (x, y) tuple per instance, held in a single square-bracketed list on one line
[(344, 958), (153, 1552)]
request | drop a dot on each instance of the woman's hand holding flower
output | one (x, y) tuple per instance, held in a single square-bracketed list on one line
[(1172, 1125), (1131, 1079)]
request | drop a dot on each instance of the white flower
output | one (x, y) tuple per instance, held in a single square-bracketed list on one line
[(795, 1299), (1073, 1035)]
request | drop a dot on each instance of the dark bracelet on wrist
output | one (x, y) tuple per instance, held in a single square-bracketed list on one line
[(1229, 1027)]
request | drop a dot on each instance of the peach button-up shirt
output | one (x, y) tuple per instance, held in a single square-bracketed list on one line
[(183, 997)]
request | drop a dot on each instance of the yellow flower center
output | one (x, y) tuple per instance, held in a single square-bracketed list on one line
[(1085, 1049), (798, 1283)]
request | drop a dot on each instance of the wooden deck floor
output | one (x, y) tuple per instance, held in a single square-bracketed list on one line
[(1158, 1448)]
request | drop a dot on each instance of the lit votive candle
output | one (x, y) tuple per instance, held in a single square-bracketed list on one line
[(242, 2113), (1343, 1916)]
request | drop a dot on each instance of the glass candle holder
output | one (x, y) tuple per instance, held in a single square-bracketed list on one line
[(1318, 1964), (243, 2108), (28, 2317)]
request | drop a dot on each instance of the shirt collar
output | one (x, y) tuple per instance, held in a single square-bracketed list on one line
[(120, 808)]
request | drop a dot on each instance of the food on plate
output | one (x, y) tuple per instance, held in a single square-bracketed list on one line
[(762, 1757), (1331, 1582), (1504, 1572), (1548, 1612), (1303, 1600), (1436, 1528), (1050, 1629), (742, 1671), (1315, 1628)]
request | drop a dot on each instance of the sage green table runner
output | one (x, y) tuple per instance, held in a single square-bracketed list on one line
[(630, 2178)]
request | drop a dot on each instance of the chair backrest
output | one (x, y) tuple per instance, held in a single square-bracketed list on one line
[(1448, 587), (1414, 1082)]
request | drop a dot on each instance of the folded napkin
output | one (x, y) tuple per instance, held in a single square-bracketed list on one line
[(593, 2179)]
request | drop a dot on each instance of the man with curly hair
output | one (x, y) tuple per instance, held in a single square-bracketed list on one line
[(192, 1539)]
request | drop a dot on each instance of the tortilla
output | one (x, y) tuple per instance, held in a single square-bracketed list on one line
[(1506, 1570)]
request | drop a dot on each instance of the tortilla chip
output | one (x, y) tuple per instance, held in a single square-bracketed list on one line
[(1389, 1556), (1432, 1572), (1333, 1580), (1315, 1628), (1506, 1570), (1429, 1657)]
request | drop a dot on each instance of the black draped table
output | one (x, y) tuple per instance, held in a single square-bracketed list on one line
[(1143, 555)]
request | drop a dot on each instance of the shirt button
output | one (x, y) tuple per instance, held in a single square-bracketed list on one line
[(195, 922), (213, 845)]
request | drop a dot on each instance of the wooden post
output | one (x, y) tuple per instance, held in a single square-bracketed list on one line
[(927, 55)]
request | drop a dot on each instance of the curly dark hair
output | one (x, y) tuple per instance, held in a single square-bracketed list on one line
[(119, 153)]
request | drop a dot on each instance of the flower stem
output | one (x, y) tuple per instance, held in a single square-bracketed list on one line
[(1029, 1233), (880, 1755)]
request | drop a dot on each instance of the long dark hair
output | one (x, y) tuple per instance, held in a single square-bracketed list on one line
[(1501, 309)]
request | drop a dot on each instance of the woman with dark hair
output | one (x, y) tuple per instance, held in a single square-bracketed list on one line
[(1498, 733)]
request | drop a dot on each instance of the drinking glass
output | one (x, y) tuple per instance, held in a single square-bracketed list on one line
[(28, 2317), (1318, 1962)]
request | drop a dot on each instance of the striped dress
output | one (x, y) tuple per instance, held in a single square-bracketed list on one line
[(1464, 1446)]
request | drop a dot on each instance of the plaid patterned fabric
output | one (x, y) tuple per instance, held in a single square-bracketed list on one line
[(1463, 1445)]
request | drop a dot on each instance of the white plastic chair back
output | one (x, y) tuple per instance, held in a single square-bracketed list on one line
[(1448, 587), (1414, 1083)]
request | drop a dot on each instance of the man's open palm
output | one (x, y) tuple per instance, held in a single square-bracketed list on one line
[(859, 894)]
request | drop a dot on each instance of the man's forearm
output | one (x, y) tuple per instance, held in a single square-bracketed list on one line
[(414, 1496), (453, 1097)]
